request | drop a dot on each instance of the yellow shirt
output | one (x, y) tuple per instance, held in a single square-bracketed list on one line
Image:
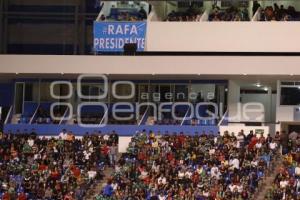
[(155, 144)]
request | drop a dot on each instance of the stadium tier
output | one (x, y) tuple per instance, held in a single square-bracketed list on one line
[(149, 100)]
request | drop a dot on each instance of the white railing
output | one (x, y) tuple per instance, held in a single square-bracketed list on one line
[(185, 116), (100, 13), (223, 117), (144, 115), (106, 113), (204, 16), (8, 115), (152, 15), (34, 114), (64, 115), (256, 16)]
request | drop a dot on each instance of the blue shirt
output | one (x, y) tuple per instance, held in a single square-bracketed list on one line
[(108, 190)]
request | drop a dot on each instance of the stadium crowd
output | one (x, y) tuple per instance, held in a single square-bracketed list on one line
[(276, 13), (163, 167), (286, 184), (184, 16), (64, 168), (230, 14), (197, 167)]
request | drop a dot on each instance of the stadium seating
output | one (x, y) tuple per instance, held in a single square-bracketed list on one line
[(191, 167), (63, 168)]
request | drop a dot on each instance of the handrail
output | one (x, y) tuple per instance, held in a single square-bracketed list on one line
[(144, 115), (204, 16), (152, 16), (34, 114), (104, 115), (223, 117), (63, 118), (8, 115), (185, 116), (256, 16), (100, 12)]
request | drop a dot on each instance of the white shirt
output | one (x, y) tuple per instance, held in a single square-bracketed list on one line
[(162, 197), (162, 180), (212, 151), (297, 171), (30, 142), (240, 188), (86, 155), (232, 187), (273, 145), (144, 174), (283, 184), (188, 174), (254, 163), (258, 145), (240, 138), (114, 186), (180, 174), (92, 174), (214, 172), (106, 137), (235, 163), (63, 135)]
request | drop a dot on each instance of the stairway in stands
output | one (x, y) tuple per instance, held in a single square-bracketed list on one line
[(96, 189), (267, 184)]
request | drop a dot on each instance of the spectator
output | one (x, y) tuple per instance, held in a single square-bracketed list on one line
[(142, 13)]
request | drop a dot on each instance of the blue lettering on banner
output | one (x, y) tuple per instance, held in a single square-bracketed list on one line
[(111, 36)]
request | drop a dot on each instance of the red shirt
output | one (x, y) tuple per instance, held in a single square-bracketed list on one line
[(22, 196), (42, 167), (253, 142), (141, 156), (6, 196), (55, 174), (181, 139), (105, 150), (76, 172), (170, 157)]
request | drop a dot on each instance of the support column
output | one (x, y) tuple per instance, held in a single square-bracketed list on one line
[(76, 29), (233, 101), (82, 27), (1, 25), (4, 27)]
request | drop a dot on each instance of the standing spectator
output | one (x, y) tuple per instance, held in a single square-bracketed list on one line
[(113, 151), (142, 13)]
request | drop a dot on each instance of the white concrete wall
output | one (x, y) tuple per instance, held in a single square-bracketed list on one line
[(223, 36), (285, 113), (123, 144), (172, 65)]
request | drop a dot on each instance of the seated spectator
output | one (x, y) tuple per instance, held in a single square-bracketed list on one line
[(189, 167)]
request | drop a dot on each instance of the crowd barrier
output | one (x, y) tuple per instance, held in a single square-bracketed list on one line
[(122, 130)]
